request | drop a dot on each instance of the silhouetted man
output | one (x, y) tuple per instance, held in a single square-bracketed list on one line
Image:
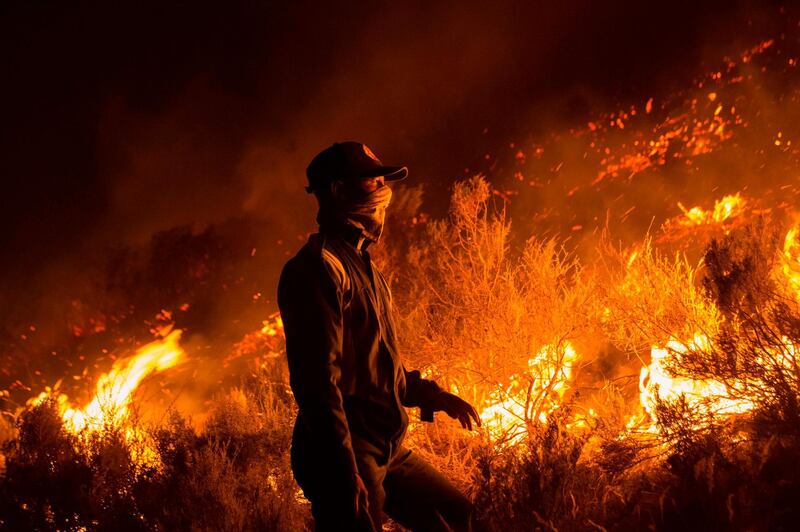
[(346, 374)]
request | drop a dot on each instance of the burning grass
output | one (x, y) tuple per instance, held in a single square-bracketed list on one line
[(524, 341)]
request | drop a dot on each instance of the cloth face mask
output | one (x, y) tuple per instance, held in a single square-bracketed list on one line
[(368, 213)]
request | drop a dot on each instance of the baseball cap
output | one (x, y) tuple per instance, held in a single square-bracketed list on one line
[(348, 161)]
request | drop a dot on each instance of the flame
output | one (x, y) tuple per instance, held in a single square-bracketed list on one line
[(690, 129), (728, 207), (711, 396), (114, 391), (532, 396), (791, 260), (656, 382)]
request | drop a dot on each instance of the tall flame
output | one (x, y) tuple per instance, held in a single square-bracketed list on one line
[(114, 391)]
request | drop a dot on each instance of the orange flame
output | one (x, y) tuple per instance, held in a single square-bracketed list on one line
[(115, 389), (532, 396), (791, 260), (725, 208), (656, 382)]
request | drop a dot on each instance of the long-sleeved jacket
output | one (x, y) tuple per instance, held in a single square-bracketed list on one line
[(345, 369)]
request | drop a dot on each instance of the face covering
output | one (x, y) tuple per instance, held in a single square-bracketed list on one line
[(367, 212)]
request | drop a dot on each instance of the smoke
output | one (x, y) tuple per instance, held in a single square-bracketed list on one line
[(135, 118)]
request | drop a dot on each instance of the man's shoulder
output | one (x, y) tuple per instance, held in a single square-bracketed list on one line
[(320, 251)]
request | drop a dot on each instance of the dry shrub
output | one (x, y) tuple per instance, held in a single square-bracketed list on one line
[(736, 323), (750, 460), (54, 480), (754, 353), (235, 475), (494, 323), (561, 479), (647, 298), (732, 457), (474, 311)]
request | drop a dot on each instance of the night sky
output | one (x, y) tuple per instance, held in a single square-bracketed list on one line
[(122, 120)]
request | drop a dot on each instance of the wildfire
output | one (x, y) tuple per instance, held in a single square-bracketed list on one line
[(670, 137), (712, 397), (114, 391), (531, 396)]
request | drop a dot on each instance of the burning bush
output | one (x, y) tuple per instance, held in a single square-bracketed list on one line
[(724, 399), (494, 324), (55, 480), (718, 371)]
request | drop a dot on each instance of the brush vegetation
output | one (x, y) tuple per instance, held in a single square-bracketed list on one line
[(476, 305)]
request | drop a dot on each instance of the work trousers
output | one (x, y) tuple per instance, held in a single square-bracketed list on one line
[(405, 487)]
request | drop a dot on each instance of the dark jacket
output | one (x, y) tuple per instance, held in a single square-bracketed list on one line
[(345, 370)]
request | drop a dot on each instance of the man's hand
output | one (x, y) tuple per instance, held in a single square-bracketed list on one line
[(459, 409), (361, 497)]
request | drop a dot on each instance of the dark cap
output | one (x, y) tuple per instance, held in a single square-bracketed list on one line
[(348, 161)]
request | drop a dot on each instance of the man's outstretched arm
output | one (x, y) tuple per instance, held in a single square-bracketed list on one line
[(310, 300), (427, 395)]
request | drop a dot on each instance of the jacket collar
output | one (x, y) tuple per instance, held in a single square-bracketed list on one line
[(350, 234)]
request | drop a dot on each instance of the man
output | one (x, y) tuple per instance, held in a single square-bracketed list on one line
[(345, 370)]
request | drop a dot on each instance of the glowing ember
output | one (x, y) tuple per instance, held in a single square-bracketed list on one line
[(272, 326), (532, 396), (264, 343), (115, 389)]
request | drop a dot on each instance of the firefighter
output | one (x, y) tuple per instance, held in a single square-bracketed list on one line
[(346, 373)]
